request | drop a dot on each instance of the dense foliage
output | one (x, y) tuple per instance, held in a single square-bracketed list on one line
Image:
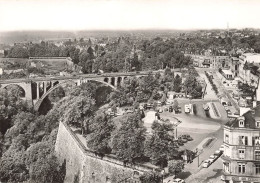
[(161, 147), (27, 142)]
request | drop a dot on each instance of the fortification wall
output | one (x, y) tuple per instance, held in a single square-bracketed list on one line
[(89, 167)]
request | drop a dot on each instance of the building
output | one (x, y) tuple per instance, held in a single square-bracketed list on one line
[(234, 66), (241, 158), (220, 62), (210, 61), (249, 68)]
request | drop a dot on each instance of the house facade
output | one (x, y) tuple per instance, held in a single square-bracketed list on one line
[(249, 68), (241, 158)]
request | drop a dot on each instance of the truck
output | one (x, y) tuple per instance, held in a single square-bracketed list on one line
[(187, 108)]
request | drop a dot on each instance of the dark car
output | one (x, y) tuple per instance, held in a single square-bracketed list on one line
[(170, 109), (180, 143), (145, 106), (182, 139), (186, 136)]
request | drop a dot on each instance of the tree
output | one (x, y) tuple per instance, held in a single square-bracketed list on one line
[(175, 104), (128, 141), (177, 83), (56, 94), (175, 166), (192, 87), (45, 167), (161, 147), (101, 129), (18, 52), (151, 177)]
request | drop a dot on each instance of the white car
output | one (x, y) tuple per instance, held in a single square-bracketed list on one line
[(217, 153), (226, 108), (160, 110), (212, 158), (221, 148), (178, 180), (206, 163)]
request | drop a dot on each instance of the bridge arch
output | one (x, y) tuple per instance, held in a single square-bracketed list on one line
[(62, 84)]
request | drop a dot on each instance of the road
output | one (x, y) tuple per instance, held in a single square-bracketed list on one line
[(201, 129), (79, 76)]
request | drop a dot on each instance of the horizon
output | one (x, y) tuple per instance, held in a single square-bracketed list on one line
[(124, 30), (116, 15)]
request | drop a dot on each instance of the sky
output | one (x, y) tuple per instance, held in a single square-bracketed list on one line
[(18, 15)]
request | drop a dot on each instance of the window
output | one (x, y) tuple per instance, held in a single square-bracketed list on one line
[(257, 155), (226, 167), (256, 140), (227, 138), (241, 168), (241, 123), (257, 124), (257, 169), (241, 154), (243, 140)]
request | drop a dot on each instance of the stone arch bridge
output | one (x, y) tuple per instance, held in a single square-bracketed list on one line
[(45, 85)]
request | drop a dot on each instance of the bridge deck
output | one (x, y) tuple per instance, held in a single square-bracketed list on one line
[(54, 78)]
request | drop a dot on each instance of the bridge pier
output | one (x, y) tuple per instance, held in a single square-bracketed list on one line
[(28, 91), (44, 87), (115, 81), (37, 91)]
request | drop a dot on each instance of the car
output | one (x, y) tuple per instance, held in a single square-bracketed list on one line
[(206, 163), (180, 143), (178, 180), (212, 158), (187, 109), (160, 110), (168, 103), (221, 148), (229, 112), (226, 108), (217, 153), (184, 140), (180, 138), (186, 136)]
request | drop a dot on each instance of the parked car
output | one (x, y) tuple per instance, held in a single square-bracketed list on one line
[(168, 103), (221, 148), (188, 137), (160, 110), (170, 109), (229, 112), (178, 180), (217, 153), (182, 139), (187, 109), (226, 108), (180, 142), (206, 163), (212, 158)]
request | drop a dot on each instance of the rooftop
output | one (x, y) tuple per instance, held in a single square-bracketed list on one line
[(250, 119), (251, 57)]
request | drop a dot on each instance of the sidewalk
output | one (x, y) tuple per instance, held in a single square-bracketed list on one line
[(209, 94)]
